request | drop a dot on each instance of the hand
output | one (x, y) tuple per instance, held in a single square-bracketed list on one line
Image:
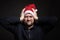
[(35, 13), (22, 15)]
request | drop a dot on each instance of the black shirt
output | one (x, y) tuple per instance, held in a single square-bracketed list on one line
[(42, 27)]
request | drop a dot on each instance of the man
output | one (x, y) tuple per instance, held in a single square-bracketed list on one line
[(29, 26)]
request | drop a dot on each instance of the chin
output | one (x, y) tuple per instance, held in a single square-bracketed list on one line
[(29, 24)]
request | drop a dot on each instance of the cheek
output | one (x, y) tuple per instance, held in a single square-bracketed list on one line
[(25, 19), (32, 19)]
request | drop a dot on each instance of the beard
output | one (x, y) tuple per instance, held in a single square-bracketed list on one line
[(28, 23)]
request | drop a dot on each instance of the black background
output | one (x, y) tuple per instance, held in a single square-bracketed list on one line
[(14, 7)]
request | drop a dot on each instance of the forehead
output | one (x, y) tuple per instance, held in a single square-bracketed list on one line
[(28, 14)]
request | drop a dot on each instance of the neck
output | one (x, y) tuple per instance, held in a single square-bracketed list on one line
[(29, 27)]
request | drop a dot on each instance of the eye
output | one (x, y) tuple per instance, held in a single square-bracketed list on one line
[(25, 17), (30, 16)]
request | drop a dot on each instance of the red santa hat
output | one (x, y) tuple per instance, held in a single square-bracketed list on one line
[(28, 9)]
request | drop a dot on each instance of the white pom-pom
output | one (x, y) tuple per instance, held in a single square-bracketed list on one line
[(36, 10)]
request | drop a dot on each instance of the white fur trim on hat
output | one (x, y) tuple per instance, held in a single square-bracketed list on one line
[(29, 11)]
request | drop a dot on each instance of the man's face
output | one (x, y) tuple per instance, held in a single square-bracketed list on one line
[(28, 19)]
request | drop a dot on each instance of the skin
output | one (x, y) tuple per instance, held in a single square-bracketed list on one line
[(29, 20)]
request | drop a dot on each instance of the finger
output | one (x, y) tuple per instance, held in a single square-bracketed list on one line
[(23, 10), (33, 9)]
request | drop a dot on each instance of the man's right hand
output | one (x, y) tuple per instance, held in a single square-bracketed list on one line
[(22, 15)]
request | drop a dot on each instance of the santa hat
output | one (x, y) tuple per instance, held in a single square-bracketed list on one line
[(28, 9)]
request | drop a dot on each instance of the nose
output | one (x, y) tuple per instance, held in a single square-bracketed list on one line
[(28, 18)]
